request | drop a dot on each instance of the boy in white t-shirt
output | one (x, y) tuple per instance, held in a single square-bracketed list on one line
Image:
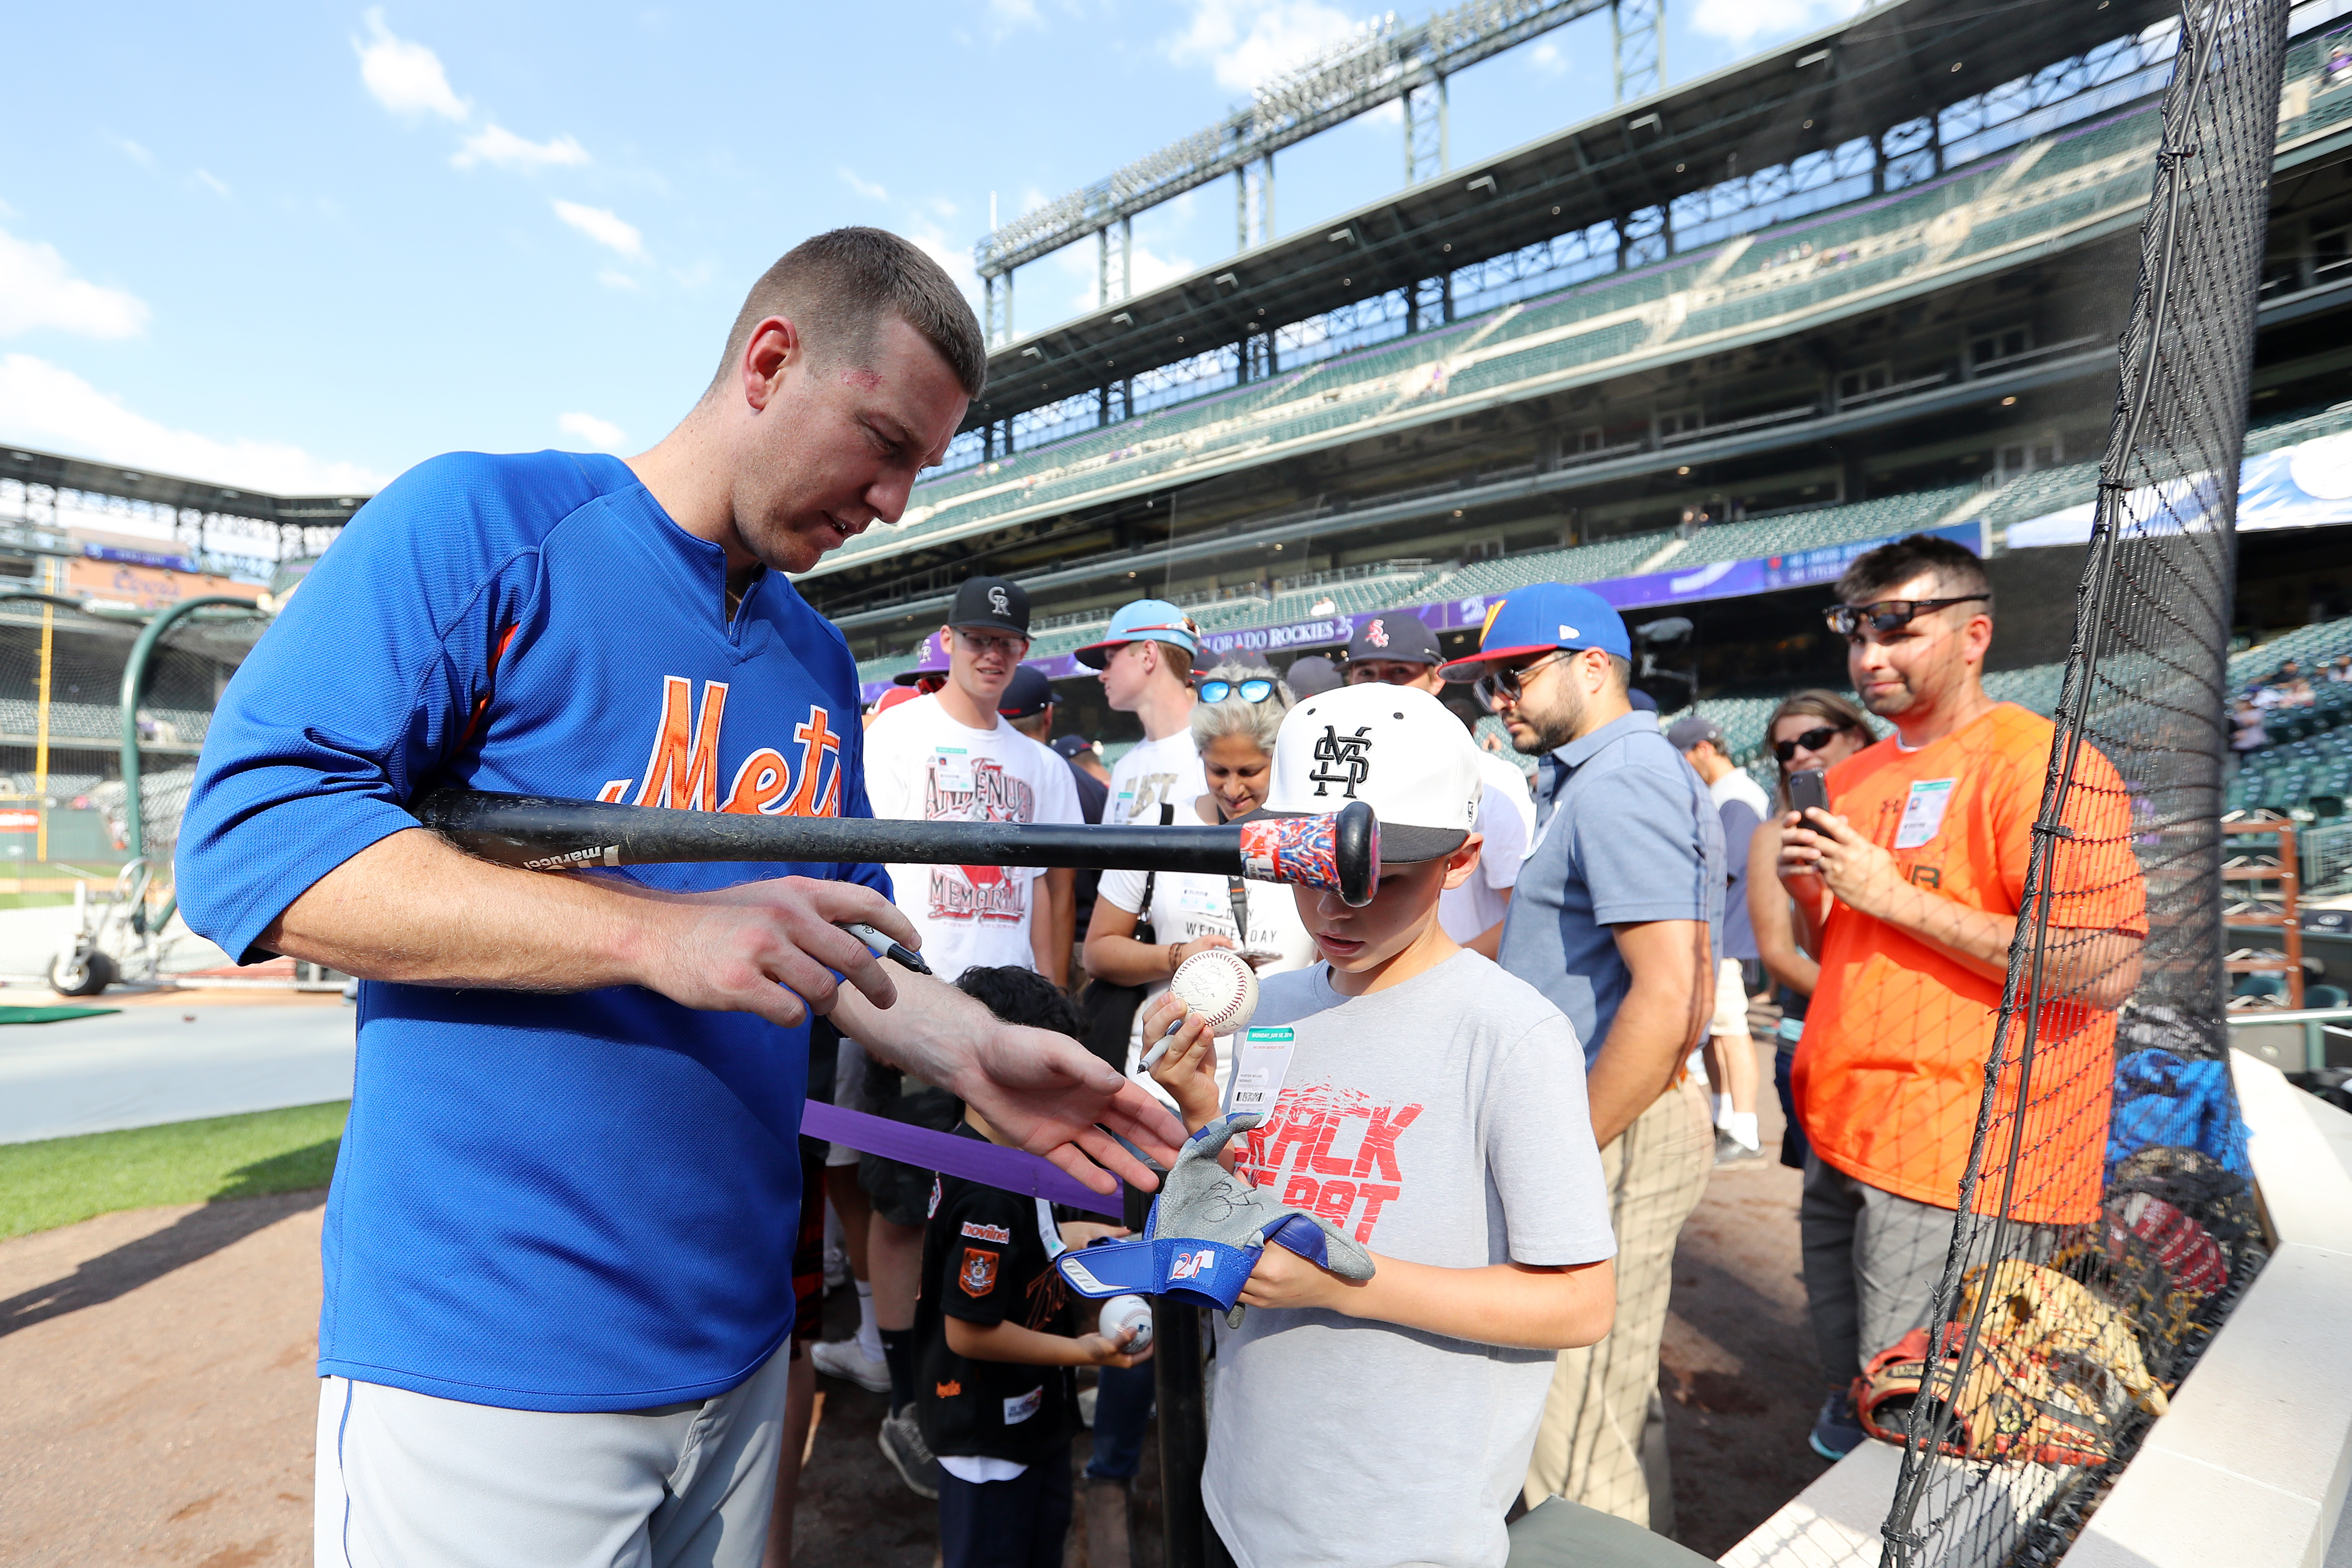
[(1432, 1106), (1146, 660)]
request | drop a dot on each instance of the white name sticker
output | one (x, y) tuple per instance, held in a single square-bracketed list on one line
[(951, 768), (1020, 1408), (1923, 812), (1259, 1068)]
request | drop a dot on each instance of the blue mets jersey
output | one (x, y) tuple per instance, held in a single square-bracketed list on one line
[(545, 1202)]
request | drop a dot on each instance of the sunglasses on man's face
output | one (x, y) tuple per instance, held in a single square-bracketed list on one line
[(1812, 740), (1887, 614), (1495, 685), (1257, 689)]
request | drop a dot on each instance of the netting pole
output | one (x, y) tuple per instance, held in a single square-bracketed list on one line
[(41, 737), (134, 681)]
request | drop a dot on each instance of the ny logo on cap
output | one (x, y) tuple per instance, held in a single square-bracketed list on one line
[(1344, 751), (1000, 601), (1377, 635)]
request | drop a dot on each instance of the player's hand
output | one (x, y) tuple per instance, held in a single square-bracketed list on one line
[(1859, 873), (768, 948), (1053, 1097), (1100, 1349), (1188, 1070), (1284, 1279)]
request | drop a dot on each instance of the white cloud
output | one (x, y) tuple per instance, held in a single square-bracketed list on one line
[(601, 225), (955, 261), (614, 278), (865, 188), (1546, 58), (598, 434), (1008, 14), (37, 290), (405, 78), (44, 405), (500, 148), (212, 182), (132, 150), (1245, 41), (1745, 23)]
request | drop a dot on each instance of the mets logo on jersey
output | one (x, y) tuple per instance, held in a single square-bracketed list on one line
[(682, 768), (978, 1275)]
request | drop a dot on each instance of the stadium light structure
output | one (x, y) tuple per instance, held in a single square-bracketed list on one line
[(1382, 64)]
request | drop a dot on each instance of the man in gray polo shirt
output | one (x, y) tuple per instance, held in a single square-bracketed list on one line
[(1617, 914)]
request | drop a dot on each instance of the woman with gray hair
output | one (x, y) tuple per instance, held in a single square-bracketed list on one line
[(1233, 723)]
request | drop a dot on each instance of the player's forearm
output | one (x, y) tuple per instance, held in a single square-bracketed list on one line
[(1009, 1342), (411, 908), (1503, 1304)]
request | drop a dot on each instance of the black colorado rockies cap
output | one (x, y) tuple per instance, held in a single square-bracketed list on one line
[(1394, 746), (1397, 634), (992, 602)]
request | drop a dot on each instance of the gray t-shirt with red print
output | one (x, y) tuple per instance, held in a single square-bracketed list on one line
[(1443, 1121)]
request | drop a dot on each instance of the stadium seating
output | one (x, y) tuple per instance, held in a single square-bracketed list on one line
[(1608, 321)]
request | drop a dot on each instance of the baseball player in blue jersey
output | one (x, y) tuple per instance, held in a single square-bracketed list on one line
[(558, 1250)]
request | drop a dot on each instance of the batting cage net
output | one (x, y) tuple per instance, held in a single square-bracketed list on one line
[(62, 798), (2106, 1221)]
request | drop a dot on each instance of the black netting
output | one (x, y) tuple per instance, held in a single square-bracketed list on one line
[(2106, 1218)]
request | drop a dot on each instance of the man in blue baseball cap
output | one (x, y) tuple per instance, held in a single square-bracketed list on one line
[(1616, 916)]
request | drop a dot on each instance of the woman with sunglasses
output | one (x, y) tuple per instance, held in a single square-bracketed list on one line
[(1809, 731), (1233, 725)]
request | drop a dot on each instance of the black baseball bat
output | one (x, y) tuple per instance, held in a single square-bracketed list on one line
[(540, 832)]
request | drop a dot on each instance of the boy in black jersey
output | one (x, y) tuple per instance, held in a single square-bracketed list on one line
[(998, 1337)]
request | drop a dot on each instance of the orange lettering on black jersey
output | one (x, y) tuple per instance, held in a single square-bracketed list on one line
[(682, 773), (948, 1390)]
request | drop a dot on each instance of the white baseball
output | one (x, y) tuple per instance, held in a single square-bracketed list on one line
[(1123, 1312), (1218, 985)]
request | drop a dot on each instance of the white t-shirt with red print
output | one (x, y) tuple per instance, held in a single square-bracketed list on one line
[(1442, 1121), (922, 765)]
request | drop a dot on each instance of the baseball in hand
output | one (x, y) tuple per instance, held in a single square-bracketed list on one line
[(1123, 1312), (1218, 985)]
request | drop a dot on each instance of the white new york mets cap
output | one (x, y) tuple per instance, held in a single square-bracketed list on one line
[(1395, 748)]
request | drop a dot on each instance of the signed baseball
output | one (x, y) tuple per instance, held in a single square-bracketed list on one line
[(1219, 984), (1123, 1312)]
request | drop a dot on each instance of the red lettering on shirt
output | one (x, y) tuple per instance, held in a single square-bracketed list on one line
[(1373, 1197), (1300, 1192), (1380, 1143)]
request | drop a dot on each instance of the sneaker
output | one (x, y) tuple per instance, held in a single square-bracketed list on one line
[(1731, 1151), (903, 1446), (1837, 1430), (844, 1359)]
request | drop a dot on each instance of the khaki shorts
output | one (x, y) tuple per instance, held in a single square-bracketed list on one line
[(1730, 1000)]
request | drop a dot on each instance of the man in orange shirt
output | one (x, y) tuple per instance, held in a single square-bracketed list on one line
[(1908, 891)]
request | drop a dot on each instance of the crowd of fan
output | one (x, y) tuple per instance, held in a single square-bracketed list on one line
[(2284, 689), (1872, 938)]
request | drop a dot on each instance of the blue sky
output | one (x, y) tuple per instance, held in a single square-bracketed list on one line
[(301, 247)]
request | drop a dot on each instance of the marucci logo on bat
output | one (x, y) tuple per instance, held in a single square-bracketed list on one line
[(606, 854)]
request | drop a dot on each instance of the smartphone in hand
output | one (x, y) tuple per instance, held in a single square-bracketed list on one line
[(1809, 790)]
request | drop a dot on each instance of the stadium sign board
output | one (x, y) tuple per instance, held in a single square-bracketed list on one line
[(2305, 485), (1715, 580)]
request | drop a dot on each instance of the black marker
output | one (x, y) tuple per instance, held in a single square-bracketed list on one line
[(883, 947)]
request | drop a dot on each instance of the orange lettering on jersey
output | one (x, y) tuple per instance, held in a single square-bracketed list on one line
[(680, 774), (816, 738), (760, 784)]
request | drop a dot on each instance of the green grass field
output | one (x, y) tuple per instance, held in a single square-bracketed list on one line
[(60, 1180)]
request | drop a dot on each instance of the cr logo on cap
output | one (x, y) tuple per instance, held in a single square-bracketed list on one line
[(1000, 601), (1344, 751)]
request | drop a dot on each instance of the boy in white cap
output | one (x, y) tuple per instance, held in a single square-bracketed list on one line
[(1432, 1107)]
